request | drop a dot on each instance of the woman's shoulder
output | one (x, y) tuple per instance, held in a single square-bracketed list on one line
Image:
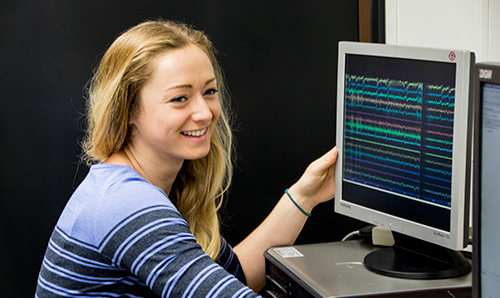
[(106, 197)]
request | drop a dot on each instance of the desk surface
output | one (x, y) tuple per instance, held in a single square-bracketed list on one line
[(335, 269)]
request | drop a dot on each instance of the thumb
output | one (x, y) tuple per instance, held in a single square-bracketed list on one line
[(326, 161)]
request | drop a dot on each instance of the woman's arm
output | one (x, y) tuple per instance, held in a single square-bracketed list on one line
[(285, 222)]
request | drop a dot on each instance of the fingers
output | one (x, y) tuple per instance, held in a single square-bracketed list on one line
[(317, 183)]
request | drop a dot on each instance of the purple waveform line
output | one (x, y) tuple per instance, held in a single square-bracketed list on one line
[(443, 187), (430, 124), (383, 173), (382, 165)]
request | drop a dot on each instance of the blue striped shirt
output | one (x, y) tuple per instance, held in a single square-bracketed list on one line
[(120, 236)]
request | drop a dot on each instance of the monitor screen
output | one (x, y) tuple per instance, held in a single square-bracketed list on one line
[(486, 281), (404, 138)]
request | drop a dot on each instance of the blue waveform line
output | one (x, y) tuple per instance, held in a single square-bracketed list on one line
[(382, 158), (436, 201), (439, 118), (446, 196), (441, 103), (385, 138), (436, 178), (438, 148), (443, 172), (383, 166)]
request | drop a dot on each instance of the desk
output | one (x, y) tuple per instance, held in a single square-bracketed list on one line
[(335, 269)]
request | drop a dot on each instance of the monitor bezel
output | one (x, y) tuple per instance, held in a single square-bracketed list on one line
[(458, 237), (483, 73)]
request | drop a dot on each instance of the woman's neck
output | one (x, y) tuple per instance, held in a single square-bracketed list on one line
[(160, 175)]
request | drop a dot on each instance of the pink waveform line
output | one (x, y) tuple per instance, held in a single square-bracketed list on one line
[(440, 133)]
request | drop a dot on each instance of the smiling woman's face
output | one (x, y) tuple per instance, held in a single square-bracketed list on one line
[(178, 107)]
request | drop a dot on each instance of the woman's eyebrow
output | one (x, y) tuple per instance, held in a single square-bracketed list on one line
[(180, 86)]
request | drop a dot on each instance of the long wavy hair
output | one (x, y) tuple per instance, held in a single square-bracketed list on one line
[(113, 100)]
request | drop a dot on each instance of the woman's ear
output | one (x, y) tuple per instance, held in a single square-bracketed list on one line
[(132, 128), (135, 110)]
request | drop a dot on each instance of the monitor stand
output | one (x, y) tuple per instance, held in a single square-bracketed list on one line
[(416, 259)]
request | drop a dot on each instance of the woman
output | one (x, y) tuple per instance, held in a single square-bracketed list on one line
[(144, 221)]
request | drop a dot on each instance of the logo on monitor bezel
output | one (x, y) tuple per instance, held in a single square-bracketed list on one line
[(452, 56)]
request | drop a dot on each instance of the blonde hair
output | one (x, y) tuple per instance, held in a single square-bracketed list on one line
[(113, 100)]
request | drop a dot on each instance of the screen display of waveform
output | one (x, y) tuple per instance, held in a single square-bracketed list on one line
[(398, 136)]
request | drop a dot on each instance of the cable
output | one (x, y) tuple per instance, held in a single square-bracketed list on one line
[(351, 235), (365, 232)]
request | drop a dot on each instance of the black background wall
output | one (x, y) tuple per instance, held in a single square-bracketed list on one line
[(280, 60)]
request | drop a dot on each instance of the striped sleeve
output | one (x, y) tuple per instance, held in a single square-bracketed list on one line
[(229, 261), (155, 245)]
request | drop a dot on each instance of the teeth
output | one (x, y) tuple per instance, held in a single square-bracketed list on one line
[(195, 133)]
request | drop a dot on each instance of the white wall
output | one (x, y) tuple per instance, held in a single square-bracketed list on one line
[(462, 24)]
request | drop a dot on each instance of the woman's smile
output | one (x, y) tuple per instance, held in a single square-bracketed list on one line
[(195, 133)]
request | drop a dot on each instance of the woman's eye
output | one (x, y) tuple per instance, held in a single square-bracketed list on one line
[(211, 91), (179, 99)]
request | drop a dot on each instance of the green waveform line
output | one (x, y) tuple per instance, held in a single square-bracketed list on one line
[(359, 126), (436, 155), (442, 103), (440, 89), (439, 141), (383, 95)]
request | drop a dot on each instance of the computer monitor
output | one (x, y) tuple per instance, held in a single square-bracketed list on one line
[(486, 218), (404, 126)]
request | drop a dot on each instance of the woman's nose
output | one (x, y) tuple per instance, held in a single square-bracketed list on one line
[(201, 109)]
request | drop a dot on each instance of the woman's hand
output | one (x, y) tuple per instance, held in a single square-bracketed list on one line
[(285, 222), (317, 184)]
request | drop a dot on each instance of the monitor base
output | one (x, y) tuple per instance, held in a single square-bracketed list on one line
[(420, 260)]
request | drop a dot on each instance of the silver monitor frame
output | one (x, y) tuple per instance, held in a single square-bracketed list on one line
[(458, 236)]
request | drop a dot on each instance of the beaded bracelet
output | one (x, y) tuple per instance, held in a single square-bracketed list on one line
[(295, 203)]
